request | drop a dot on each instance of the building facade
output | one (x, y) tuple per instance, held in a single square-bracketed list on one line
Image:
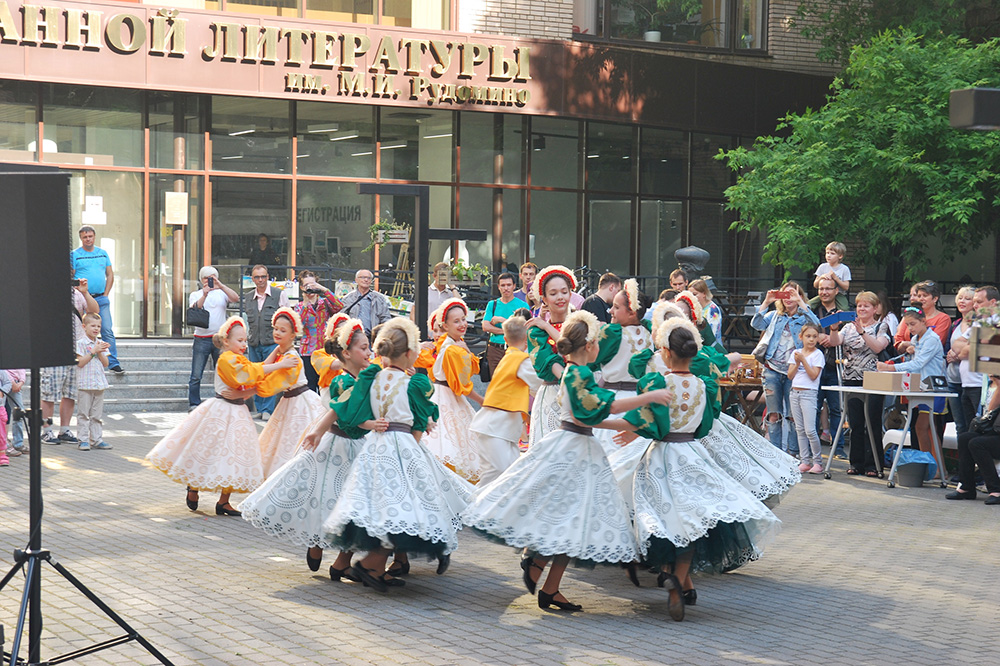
[(581, 132)]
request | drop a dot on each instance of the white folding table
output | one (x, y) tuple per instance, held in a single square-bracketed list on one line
[(911, 396)]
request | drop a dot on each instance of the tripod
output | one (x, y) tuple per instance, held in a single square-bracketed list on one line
[(30, 560)]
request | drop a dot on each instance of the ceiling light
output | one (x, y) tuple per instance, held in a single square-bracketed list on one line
[(343, 138), (246, 131), (437, 136), (323, 127), (360, 154)]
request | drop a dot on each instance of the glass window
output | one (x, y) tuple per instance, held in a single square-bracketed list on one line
[(426, 14), (332, 225), (709, 177), (751, 24), (403, 210), (610, 234), (710, 231), (336, 139), (176, 135), (554, 224), (99, 126), (555, 152), (609, 157), (250, 135), (111, 201), (693, 22), (289, 8), (341, 11), (475, 210), (512, 243), (242, 209), (661, 223), (486, 135), (417, 144), (175, 253), (664, 162), (18, 126)]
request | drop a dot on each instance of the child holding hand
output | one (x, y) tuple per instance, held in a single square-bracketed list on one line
[(804, 369)]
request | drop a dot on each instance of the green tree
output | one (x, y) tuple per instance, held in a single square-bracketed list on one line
[(879, 163)]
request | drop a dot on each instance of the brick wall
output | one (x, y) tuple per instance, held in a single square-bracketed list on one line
[(540, 19)]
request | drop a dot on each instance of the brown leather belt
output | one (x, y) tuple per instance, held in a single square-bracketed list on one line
[(299, 390), (679, 437), (339, 433), (440, 383), (496, 344), (399, 427), (569, 426), (621, 386), (233, 401)]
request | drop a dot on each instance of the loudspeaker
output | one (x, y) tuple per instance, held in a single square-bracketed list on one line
[(36, 306)]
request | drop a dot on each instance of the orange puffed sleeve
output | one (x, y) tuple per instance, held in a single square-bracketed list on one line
[(236, 371), (459, 365), (279, 380), (428, 357), (326, 366)]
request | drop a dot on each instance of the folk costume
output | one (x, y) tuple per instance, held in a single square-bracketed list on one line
[(296, 411), (295, 500), (560, 498), (397, 494), (498, 426), (454, 367), (323, 363), (215, 447)]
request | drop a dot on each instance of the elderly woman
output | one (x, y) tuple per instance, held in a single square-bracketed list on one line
[(957, 368), (861, 341), (781, 334), (317, 305)]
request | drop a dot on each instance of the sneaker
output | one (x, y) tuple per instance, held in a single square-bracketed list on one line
[(804, 467), (840, 455), (816, 469), (12, 452), (67, 437), (49, 438), (4, 460), (118, 370), (265, 416), (103, 446), (24, 448), (84, 446)]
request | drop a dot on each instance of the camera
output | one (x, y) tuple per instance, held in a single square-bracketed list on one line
[(211, 282), (314, 290), (75, 282)]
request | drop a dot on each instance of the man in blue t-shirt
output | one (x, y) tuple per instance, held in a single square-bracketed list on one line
[(497, 311), (93, 264)]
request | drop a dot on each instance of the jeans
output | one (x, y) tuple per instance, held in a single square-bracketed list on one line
[(107, 334), (829, 378), (16, 427), (970, 402), (776, 389), (957, 409), (981, 450), (862, 458), (202, 349), (804, 403), (258, 354)]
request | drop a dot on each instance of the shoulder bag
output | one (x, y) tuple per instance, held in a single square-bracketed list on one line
[(985, 424), (198, 317)]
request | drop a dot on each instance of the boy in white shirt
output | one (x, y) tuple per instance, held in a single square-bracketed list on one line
[(92, 359), (835, 269)]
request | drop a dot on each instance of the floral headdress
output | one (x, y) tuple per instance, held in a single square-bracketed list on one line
[(406, 326), (538, 286), (332, 323), (291, 315), (345, 332), (631, 290), (235, 320), (442, 310), (432, 323), (662, 339), (697, 316), (588, 319), (664, 311)]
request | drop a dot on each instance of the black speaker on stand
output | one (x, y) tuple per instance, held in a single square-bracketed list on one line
[(36, 332)]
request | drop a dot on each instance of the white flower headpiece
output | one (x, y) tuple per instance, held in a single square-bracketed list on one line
[(432, 323), (662, 339), (538, 286), (586, 318), (345, 332), (665, 310), (292, 316), (406, 326), (631, 289), (235, 320), (697, 316), (332, 323), (442, 310)]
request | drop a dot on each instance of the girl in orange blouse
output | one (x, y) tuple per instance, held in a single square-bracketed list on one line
[(451, 440), (327, 365), (215, 447)]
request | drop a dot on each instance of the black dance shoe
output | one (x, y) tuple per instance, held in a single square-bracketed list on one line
[(443, 563), (397, 569), (690, 597), (314, 562), (959, 495), (367, 579), (632, 571), (674, 608), (221, 510), (526, 564), (346, 573), (191, 503), (546, 600)]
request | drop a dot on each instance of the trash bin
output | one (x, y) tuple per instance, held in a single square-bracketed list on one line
[(912, 474)]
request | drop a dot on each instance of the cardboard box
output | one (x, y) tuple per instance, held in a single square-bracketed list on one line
[(892, 381)]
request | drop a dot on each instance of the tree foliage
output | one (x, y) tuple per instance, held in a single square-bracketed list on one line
[(839, 25), (879, 163)]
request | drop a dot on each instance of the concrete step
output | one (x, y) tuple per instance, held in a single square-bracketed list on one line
[(132, 405)]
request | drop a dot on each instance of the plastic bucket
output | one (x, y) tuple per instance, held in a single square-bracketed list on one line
[(912, 474)]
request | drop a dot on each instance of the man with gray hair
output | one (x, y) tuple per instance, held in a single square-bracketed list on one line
[(213, 297), (371, 307)]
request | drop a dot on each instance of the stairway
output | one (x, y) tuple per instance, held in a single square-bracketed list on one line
[(156, 377)]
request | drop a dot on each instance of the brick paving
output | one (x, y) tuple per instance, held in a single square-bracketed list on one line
[(860, 575)]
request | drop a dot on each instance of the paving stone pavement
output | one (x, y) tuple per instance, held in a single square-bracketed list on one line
[(859, 575)]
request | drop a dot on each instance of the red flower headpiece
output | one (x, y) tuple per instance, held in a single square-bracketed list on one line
[(538, 286)]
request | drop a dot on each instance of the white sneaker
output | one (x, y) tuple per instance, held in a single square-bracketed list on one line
[(264, 416)]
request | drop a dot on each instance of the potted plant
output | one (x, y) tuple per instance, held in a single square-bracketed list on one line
[(385, 224), (466, 275)]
